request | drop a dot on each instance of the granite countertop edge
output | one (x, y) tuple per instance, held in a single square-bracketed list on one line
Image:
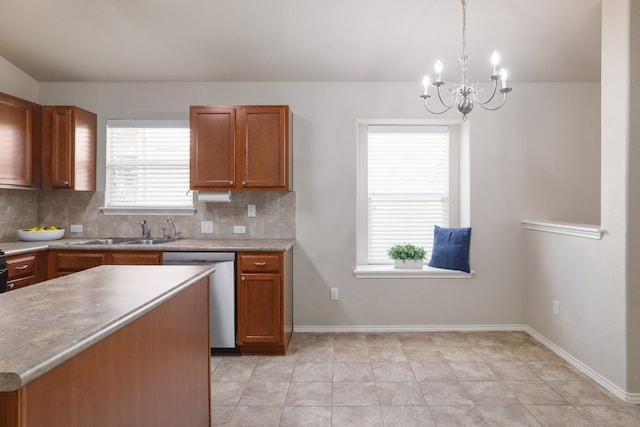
[(182, 245), (12, 381)]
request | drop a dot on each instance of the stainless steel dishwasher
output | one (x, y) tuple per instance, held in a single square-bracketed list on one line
[(222, 294)]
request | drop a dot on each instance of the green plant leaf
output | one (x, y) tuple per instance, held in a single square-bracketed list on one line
[(406, 251)]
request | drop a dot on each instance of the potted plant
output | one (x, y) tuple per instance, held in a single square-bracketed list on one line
[(407, 255)]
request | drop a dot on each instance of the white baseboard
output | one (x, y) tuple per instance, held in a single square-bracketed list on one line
[(617, 391), (408, 328)]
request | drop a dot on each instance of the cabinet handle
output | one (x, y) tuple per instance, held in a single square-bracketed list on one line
[(260, 263), (22, 267), (10, 285)]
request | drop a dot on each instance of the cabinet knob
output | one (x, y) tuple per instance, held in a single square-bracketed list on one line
[(260, 263), (66, 183), (243, 278), (244, 182), (230, 182), (10, 285)]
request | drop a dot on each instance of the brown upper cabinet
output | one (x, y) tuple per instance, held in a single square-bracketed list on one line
[(242, 148), (69, 148), (19, 143)]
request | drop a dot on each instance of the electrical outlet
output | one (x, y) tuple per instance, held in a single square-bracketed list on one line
[(556, 308), (239, 229), (251, 211), (334, 294), (206, 227), (76, 228)]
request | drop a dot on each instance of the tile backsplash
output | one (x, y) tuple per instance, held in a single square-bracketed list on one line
[(275, 215), (18, 209)]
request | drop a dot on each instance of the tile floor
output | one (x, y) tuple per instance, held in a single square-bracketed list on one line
[(411, 379)]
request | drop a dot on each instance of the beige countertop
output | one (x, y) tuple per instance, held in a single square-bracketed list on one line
[(46, 324), (183, 245)]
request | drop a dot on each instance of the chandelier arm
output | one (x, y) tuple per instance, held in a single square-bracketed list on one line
[(504, 99), (425, 98), (448, 106), (493, 94)]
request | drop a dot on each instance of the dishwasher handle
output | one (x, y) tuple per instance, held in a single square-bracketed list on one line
[(190, 262), (196, 258)]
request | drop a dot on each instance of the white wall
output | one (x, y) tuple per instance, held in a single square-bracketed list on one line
[(633, 276), (15, 82), (325, 117), (597, 282)]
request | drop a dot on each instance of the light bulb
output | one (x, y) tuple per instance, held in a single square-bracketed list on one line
[(438, 68), (495, 60), (426, 82)]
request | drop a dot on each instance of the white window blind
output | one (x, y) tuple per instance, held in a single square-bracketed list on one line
[(407, 186), (148, 164)]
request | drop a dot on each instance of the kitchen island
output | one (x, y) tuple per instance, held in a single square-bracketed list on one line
[(112, 345)]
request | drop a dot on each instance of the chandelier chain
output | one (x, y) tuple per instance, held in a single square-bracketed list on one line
[(464, 28)]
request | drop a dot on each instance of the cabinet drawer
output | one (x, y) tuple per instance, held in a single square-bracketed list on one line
[(21, 266), (136, 258), (21, 283), (258, 263), (71, 262)]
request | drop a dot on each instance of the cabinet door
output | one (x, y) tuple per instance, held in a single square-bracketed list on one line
[(264, 147), (213, 152), (259, 309), (60, 135), (69, 135), (19, 142), (136, 258)]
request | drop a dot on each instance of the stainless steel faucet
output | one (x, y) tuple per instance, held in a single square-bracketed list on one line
[(145, 229), (176, 233)]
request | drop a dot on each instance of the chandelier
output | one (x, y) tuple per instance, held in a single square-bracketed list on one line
[(464, 94)]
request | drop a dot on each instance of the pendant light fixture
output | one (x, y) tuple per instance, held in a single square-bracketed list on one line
[(464, 95)]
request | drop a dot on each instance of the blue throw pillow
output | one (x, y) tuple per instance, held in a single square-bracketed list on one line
[(451, 248)]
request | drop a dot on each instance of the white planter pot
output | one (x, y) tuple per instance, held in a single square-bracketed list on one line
[(408, 264)]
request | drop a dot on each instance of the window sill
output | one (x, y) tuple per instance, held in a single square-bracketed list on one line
[(388, 272), (147, 211), (586, 231)]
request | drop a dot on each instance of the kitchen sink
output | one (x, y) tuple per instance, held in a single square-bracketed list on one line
[(105, 241), (123, 241), (151, 241)]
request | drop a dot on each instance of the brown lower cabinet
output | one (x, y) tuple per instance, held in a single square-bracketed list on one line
[(62, 262), (26, 269), (265, 302)]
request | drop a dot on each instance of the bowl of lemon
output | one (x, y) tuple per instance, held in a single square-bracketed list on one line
[(38, 234)]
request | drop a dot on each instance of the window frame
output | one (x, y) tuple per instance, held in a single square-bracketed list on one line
[(142, 210), (458, 193)]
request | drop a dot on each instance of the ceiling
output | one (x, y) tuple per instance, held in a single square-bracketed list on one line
[(297, 40)]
